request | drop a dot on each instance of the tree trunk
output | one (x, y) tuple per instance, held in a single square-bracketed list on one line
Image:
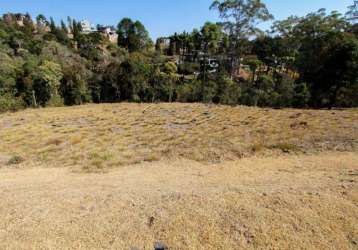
[(34, 103)]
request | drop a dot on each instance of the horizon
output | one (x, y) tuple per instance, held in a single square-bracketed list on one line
[(170, 15)]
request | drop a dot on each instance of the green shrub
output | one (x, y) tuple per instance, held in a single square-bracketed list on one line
[(229, 92), (189, 92), (55, 101), (10, 103), (188, 68)]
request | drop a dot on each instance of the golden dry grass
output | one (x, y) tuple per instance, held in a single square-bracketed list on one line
[(99, 137), (194, 176), (286, 202)]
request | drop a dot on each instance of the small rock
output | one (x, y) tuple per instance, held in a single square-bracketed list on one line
[(160, 246)]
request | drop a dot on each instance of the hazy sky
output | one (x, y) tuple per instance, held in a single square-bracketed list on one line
[(161, 17)]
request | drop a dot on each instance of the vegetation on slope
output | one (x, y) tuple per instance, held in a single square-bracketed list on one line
[(303, 61)]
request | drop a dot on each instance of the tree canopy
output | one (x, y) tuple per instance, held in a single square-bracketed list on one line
[(308, 61), (132, 35)]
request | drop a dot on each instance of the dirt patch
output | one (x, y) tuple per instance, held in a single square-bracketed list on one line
[(286, 202), (4, 159)]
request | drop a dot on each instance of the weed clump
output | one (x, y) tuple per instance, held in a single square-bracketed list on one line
[(15, 160), (286, 147), (257, 147)]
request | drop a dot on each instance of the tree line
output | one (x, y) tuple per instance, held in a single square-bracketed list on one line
[(309, 61)]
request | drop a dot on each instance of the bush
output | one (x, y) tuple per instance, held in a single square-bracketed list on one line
[(55, 101), (285, 90), (301, 95), (189, 92), (209, 91), (188, 68), (10, 103), (229, 92)]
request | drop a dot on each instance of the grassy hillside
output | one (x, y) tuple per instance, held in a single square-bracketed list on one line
[(192, 176), (99, 137)]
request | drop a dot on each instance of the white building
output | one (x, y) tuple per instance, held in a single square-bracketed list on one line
[(109, 32), (352, 13), (87, 27)]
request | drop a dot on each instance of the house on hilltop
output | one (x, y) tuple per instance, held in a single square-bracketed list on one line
[(352, 13), (109, 32), (87, 27), (10, 18), (162, 44)]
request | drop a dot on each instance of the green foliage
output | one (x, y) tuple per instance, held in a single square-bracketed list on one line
[(132, 35), (285, 89), (240, 22), (73, 85), (208, 91), (228, 92), (47, 82), (9, 69), (309, 61), (170, 68), (51, 73), (189, 92), (55, 101), (211, 35), (241, 15), (254, 65), (10, 103), (265, 91), (188, 68), (301, 95), (325, 56)]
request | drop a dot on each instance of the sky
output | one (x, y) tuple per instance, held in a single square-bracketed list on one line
[(161, 17)]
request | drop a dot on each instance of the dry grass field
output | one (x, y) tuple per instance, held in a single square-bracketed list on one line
[(101, 137), (192, 176)]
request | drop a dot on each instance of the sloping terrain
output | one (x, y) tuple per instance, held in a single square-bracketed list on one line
[(193, 176), (99, 137), (287, 202)]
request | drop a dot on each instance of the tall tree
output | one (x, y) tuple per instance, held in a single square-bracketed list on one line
[(320, 36), (47, 82), (211, 36), (132, 35), (240, 20)]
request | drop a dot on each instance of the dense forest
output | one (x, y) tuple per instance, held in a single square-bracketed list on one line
[(309, 61)]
